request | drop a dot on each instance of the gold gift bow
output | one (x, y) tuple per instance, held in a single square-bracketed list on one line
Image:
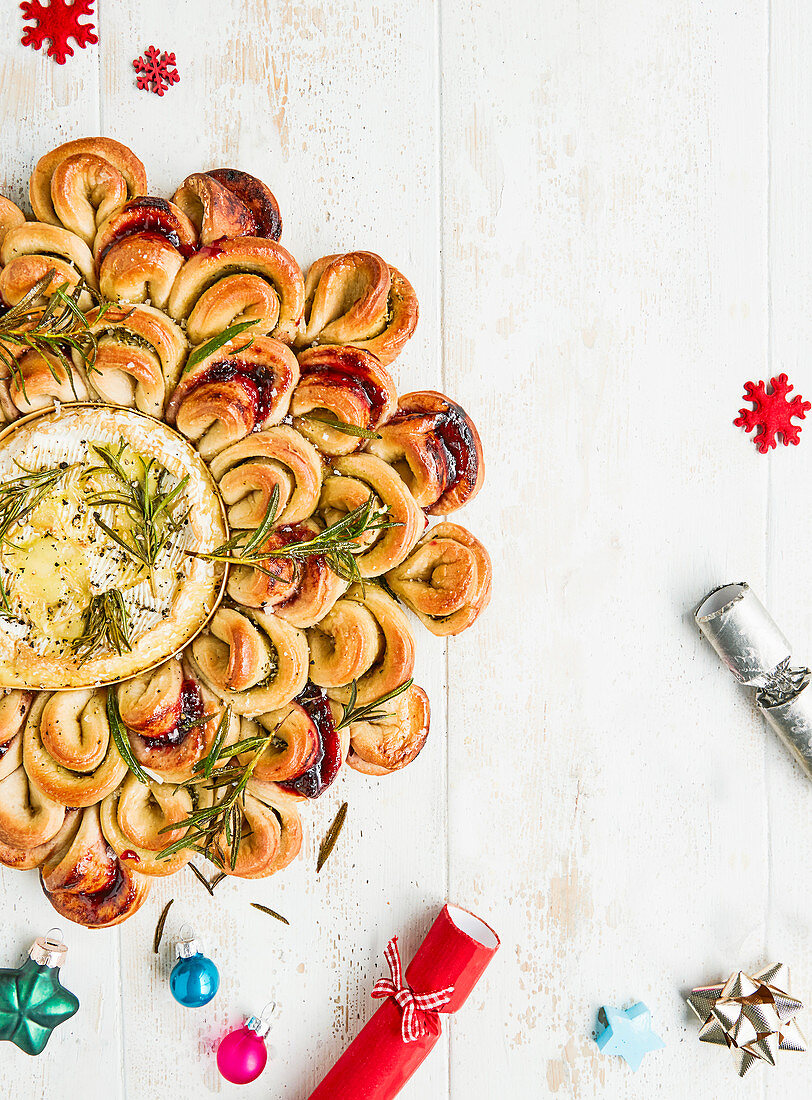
[(751, 1014)]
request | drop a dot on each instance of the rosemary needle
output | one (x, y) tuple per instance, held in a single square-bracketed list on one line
[(159, 927), (270, 912), (120, 738), (340, 426), (211, 346), (331, 837), (368, 712)]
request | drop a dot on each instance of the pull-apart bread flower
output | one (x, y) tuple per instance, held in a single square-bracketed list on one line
[(228, 203), (382, 639), (256, 662), (40, 379), (435, 447), (253, 573), (171, 720), (27, 859), (246, 279), (68, 751), (238, 389), (344, 385), (357, 298), (301, 592), (10, 216), (382, 745), (28, 818), (304, 750), (356, 477), (14, 708), (270, 833), (137, 822), (446, 580)]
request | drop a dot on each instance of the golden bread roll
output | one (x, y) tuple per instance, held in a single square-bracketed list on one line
[(228, 203), (262, 281), (119, 158), (343, 384), (446, 580), (86, 882), (357, 298), (434, 445)]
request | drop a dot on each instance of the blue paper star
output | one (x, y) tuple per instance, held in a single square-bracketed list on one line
[(627, 1033)]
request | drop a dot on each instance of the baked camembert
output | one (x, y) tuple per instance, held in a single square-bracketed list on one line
[(80, 605)]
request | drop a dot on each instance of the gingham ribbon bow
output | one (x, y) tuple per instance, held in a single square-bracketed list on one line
[(417, 1007)]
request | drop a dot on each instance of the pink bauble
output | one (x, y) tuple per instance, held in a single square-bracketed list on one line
[(241, 1056)]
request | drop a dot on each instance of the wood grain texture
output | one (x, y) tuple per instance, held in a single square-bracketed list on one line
[(604, 211)]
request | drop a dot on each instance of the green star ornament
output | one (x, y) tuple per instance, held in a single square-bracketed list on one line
[(32, 998)]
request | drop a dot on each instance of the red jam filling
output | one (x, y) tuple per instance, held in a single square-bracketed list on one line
[(257, 383), (153, 218), (191, 711), (456, 449), (319, 775), (360, 385)]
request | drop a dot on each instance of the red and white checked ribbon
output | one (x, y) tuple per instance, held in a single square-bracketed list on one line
[(416, 1006)]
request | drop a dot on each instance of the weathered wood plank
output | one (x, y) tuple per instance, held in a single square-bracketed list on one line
[(604, 294)]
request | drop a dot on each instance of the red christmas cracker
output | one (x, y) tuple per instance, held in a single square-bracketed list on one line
[(407, 1026)]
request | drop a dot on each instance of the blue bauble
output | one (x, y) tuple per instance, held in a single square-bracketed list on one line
[(194, 981)]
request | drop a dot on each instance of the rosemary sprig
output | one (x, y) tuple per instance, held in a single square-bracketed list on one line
[(208, 826), (22, 495), (208, 762), (341, 426), (122, 741), (337, 543), (331, 837), (367, 713), (159, 927), (271, 912), (5, 603), (205, 350), (55, 326), (105, 626), (148, 505)]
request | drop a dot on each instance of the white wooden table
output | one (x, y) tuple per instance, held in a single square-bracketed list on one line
[(605, 210)]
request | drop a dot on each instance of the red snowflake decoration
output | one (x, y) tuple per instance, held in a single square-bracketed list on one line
[(156, 70), (772, 414), (56, 23)]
